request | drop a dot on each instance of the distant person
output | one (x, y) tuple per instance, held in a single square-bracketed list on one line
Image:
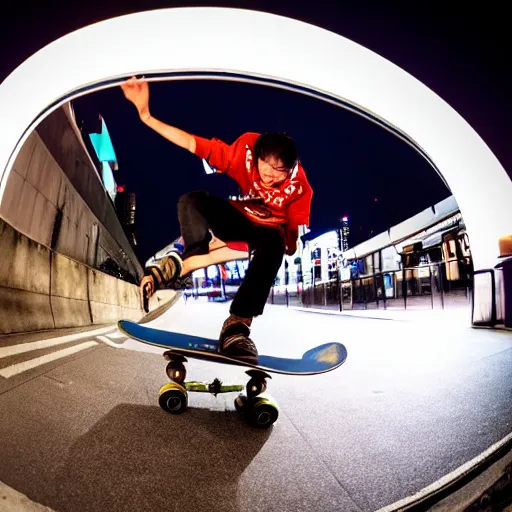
[(276, 201)]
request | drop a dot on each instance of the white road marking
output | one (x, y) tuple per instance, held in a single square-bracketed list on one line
[(131, 344), (16, 369), (37, 345), (115, 335), (17, 502), (109, 342)]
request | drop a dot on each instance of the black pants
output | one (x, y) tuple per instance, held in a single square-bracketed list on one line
[(199, 212)]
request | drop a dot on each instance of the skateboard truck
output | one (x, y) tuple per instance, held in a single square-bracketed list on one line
[(259, 409)]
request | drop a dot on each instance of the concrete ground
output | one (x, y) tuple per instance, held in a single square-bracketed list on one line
[(414, 401)]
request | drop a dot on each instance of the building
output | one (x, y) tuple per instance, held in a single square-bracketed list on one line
[(344, 234), (100, 140), (125, 204), (96, 136), (425, 255)]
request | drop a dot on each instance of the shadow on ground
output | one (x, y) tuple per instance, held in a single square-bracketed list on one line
[(141, 458)]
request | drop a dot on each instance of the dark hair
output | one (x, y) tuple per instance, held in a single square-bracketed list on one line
[(278, 145)]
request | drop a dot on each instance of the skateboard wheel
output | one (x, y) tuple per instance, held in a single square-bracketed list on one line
[(173, 398), (263, 413), (255, 387), (240, 403), (176, 371)]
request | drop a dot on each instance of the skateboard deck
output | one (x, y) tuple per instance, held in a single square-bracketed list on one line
[(321, 359), (160, 302)]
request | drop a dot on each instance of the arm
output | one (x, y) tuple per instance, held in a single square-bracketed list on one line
[(216, 152), (172, 134), (137, 91), (222, 156)]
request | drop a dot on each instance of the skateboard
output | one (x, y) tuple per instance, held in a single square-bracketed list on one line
[(259, 408), (160, 302)]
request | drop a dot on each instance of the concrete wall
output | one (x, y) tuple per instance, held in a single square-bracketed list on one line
[(63, 139), (57, 225), (55, 197), (41, 289), (25, 283)]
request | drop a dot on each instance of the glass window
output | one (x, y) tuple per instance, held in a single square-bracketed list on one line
[(390, 259), (369, 264), (376, 261)]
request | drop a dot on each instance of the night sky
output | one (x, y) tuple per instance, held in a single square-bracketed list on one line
[(354, 167)]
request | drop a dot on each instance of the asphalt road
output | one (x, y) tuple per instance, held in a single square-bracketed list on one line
[(413, 402)]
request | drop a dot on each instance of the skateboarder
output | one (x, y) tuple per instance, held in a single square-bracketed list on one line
[(276, 200)]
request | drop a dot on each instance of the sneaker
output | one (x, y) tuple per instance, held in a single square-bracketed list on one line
[(174, 247), (177, 247), (234, 342), (166, 271)]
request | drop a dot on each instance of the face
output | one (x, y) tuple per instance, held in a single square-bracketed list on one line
[(272, 171)]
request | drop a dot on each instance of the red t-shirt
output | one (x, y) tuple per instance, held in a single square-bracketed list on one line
[(288, 204)]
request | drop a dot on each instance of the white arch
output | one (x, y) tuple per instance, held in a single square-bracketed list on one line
[(219, 39)]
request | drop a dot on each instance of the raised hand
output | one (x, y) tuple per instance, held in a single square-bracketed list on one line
[(137, 91)]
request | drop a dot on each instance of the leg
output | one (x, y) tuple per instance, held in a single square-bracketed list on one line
[(194, 226), (219, 253), (269, 247), (199, 215)]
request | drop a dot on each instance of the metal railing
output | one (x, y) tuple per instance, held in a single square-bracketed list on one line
[(423, 286)]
